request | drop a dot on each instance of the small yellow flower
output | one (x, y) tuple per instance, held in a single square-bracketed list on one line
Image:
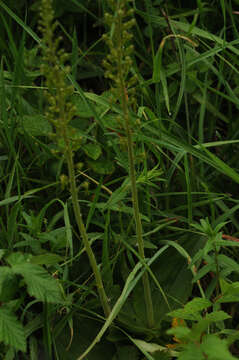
[(175, 323)]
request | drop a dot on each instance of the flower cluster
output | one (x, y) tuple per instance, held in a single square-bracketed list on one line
[(58, 93), (119, 60)]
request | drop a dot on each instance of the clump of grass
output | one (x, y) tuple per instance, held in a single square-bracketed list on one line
[(60, 113)]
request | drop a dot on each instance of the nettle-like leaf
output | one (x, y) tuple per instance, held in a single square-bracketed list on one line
[(40, 283), (201, 326), (191, 309), (210, 346), (8, 284), (16, 258), (214, 348), (11, 330)]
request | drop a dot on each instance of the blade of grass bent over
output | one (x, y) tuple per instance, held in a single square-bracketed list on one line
[(130, 283)]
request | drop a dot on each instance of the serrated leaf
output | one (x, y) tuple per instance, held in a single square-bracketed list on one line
[(215, 348), (11, 330), (8, 284), (16, 258), (191, 309), (197, 304), (217, 316), (192, 351), (40, 283), (92, 150)]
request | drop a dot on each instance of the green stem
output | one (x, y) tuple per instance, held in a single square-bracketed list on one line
[(82, 230), (217, 270), (138, 223)]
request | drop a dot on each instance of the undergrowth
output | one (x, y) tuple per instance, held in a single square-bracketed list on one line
[(119, 180)]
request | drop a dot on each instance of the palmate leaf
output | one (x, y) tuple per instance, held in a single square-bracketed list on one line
[(11, 330), (40, 283)]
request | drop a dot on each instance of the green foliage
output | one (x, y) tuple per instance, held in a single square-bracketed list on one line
[(162, 85), (39, 284), (11, 330)]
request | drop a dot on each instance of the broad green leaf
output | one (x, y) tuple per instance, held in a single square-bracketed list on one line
[(191, 309), (180, 332), (16, 258), (40, 283), (11, 330), (217, 316), (215, 348), (102, 167), (192, 352), (86, 328), (82, 109), (201, 326), (36, 125), (92, 150)]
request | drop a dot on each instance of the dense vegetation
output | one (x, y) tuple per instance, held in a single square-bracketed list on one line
[(119, 179)]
